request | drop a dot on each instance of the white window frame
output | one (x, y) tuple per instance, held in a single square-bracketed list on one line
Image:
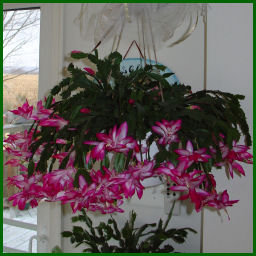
[(50, 67)]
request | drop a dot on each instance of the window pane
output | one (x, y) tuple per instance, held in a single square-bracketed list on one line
[(20, 60), (21, 30)]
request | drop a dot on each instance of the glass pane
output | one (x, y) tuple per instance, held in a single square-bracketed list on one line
[(20, 59), (21, 30)]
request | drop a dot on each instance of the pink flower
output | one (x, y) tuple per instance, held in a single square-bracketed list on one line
[(105, 207), (88, 157), (22, 181), (230, 156), (221, 201), (131, 101), (30, 190), (60, 156), (97, 152), (71, 159), (18, 144), (80, 198), (168, 169), (194, 107), (60, 179), (13, 162), (85, 110), (192, 156), (76, 51), (30, 196), (131, 185), (25, 110), (108, 189), (131, 178), (142, 170), (57, 122), (190, 182), (168, 131), (90, 71), (210, 182), (61, 141), (41, 113), (116, 141)]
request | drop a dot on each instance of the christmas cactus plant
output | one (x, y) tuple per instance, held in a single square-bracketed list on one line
[(109, 131)]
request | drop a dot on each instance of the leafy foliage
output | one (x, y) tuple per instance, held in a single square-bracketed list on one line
[(108, 237), (117, 119), (107, 95)]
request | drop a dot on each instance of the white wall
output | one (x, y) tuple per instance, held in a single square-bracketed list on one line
[(230, 67), (185, 59)]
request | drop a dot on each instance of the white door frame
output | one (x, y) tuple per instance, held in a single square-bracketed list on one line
[(50, 66)]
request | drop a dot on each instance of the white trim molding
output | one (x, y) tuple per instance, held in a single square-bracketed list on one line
[(49, 215), (16, 6), (51, 47), (20, 224), (49, 225)]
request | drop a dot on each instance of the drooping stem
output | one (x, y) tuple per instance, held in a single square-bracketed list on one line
[(169, 215)]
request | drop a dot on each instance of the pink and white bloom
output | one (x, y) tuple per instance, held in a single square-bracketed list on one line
[(57, 122), (168, 131), (41, 113), (231, 156), (22, 181), (131, 184), (117, 141), (221, 201), (210, 182), (191, 156), (190, 182), (80, 198), (25, 110), (23, 197), (13, 162), (168, 169), (142, 170), (18, 144), (61, 141), (107, 186), (60, 156), (131, 178), (60, 179), (105, 207), (30, 192)]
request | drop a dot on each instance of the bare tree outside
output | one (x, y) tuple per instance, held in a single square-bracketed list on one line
[(20, 57), (15, 25)]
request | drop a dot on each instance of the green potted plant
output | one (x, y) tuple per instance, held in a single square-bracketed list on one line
[(112, 120)]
